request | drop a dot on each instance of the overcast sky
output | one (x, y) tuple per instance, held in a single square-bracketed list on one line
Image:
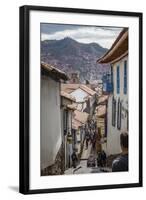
[(104, 36)]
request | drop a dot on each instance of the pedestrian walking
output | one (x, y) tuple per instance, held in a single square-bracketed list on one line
[(91, 136), (103, 158), (74, 159), (99, 159), (94, 141), (87, 138)]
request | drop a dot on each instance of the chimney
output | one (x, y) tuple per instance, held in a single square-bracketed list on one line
[(74, 77)]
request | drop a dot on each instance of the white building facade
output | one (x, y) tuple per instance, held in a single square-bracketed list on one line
[(117, 108), (51, 135), (50, 121), (85, 98)]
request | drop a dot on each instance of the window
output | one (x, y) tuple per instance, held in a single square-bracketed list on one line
[(65, 121), (125, 77), (119, 114), (118, 79), (114, 112), (112, 79)]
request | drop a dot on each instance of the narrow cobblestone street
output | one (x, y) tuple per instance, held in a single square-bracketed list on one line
[(82, 168)]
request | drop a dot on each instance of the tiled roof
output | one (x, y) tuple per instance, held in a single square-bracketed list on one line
[(101, 111), (68, 96), (87, 89), (102, 99), (81, 116), (71, 87), (51, 70), (71, 107), (119, 48), (76, 124)]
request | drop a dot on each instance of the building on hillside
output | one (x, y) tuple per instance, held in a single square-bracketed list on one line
[(85, 96), (51, 134), (67, 109), (117, 56), (74, 79)]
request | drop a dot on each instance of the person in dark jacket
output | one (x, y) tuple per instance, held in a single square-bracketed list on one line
[(74, 159), (121, 162), (87, 138), (101, 159)]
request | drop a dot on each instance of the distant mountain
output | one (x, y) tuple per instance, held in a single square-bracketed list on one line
[(71, 56)]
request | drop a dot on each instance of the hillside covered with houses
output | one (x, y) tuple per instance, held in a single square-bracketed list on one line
[(70, 56)]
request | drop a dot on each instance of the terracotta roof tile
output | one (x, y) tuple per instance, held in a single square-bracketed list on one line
[(76, 124), (102, 99), (81, 116), (71, 107), (68, 96), (71, 87), (53, 70), (87, 89), (101, 111)]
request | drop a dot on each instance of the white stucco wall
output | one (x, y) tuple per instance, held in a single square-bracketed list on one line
[(50, 121), (113, 134), (79, 95)]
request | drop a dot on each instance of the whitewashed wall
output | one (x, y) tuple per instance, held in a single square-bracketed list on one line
[(50, 121), (79, 94), (113, 134)]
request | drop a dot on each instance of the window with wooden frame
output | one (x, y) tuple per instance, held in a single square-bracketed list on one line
[(119, 114), (113, 111), (125, 77), (65, 121), (118, 80), (112, 78)]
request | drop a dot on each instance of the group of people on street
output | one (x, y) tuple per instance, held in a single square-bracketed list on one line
[(91, 134)]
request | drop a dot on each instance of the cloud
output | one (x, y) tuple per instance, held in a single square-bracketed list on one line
[(52, 28), (104, 36)]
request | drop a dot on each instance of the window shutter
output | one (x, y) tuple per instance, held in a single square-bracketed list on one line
[(115, 106), (112, 79), (125, 77), (118, 79), (127, 120), (65, 121), (119, 114), (113, 112)]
